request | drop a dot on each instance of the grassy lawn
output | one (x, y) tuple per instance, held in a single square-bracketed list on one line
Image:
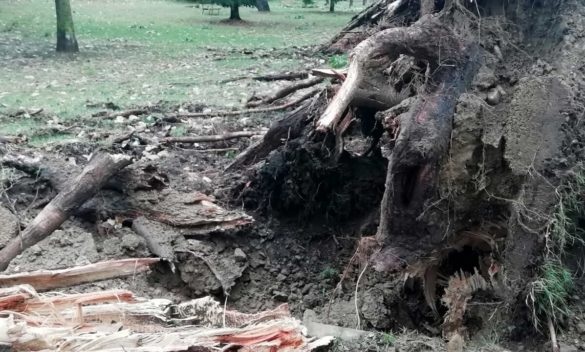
[(136, 52)]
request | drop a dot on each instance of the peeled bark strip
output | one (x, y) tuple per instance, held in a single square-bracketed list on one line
[(101, 167), (43, 280), (285, 91), (66, 41)]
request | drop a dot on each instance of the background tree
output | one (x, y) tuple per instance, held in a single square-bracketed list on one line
[(234, 6), (66, 41), (262, 5)]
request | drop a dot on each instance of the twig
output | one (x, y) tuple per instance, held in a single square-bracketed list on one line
[(126, 113), (357, 285), (553, 335), (211, 138)]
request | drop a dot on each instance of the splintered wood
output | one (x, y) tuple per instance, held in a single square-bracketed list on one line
[(117, 321)]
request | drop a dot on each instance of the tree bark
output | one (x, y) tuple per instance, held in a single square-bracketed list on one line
[(262, 5), (101, 167), (66, 41), (235, 11), (331, 5)]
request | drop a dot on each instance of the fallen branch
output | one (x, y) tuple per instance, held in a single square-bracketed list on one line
[(285, 91), (43, 280), (101, 167), (286, 76), (211, 138), (245, 112), (126, 113)]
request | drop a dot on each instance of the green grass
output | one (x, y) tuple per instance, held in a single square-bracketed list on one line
[(329, 274), (338, 61), (550, 293), (136, 52)]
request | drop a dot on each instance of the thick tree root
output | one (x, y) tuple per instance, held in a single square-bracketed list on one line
[(386, 46)]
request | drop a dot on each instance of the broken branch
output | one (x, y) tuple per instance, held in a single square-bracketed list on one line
[(101, 167), (285, 91), (211, 138), (43, 280), (250, 111)]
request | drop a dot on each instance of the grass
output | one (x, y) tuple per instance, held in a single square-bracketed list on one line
[(338, 61), (139, 52), (550, 292), (329, 274)]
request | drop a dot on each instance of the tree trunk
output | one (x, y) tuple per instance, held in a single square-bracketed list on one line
[(331, 5), (262, 5), (235, 12), (66, 41), (350, 3)]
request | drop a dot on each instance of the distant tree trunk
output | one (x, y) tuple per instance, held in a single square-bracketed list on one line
[(262, 5), (66, 41), (350, 3), (364, 2), (235, 12), (331, 5)]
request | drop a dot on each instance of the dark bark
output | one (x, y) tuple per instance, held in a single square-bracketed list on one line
[(262, 5), (66, 41), (235, 12), (100, 168), (331, 5)]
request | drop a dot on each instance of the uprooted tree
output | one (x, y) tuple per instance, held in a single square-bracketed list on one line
[(455, 123)]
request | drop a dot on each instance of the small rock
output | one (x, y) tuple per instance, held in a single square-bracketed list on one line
[(239, 255), (281, 277), (567, 348), (280, 296), (120, 119), (133, 118), (581, 328), (494, 96)]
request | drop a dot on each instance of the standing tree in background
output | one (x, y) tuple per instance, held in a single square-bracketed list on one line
[(262, 5), (66, 41), (234, 6)]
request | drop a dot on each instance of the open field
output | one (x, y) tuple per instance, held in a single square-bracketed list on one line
[(164, 51)]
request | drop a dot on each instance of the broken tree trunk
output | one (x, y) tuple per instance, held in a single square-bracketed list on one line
[(101, 167)]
